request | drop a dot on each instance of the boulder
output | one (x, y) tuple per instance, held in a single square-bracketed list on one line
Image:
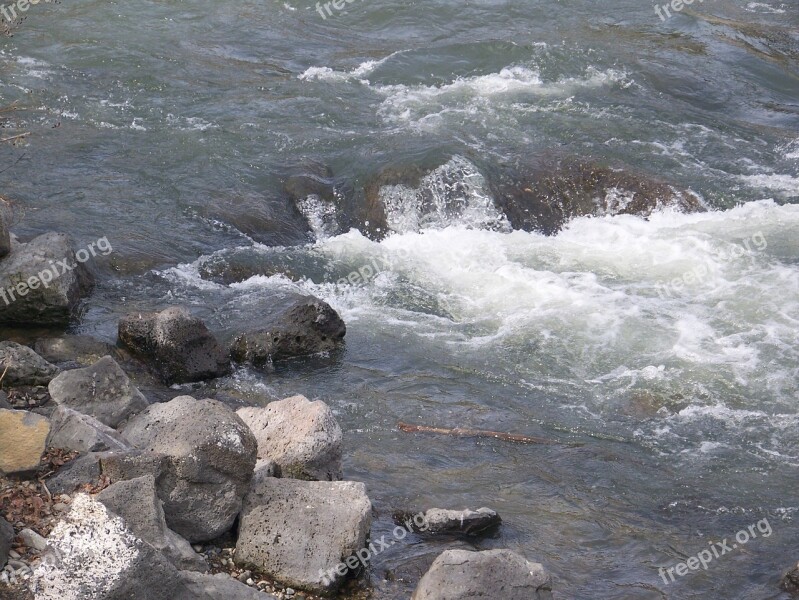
[(77, 473), (212, 457), (221, 587), (22, 366), (459, 574), (6, 539), (42, 282), (298, 532), (470, 522), (136, 501), (178, 346), (22, 440), (72, 430), (300, 436), (102, 391), (544, 196), (93, 554), (308, 326)]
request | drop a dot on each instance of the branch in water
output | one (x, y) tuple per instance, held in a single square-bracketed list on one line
[(460, 432)]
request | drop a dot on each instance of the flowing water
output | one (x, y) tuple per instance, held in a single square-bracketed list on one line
[(663, 353)]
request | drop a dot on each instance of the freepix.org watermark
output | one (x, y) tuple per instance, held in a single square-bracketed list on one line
[(362, 557), (698, 274), (717, 550), (664, 12), (9, 11), (57, 269)]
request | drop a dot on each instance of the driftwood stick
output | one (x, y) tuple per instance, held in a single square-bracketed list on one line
[(460, 432), (15, 137)]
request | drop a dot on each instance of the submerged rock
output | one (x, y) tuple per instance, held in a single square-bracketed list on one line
[(790, 583), (459, 574), (71, 430), (301, 437), (178, 345), (469, 522), (22, 440), (212, 458), (102, 391), (80, 349), (22, 366), (544, 197), (299, 532), (42, 282), (136, 501), (308, 326)]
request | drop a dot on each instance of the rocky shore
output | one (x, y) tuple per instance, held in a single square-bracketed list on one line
[(110, 491)]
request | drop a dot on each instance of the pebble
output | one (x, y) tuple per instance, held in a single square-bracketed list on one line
[(244, 576), (33, 540), (197, 548), (14, 555), (289, 592), (60, 507)]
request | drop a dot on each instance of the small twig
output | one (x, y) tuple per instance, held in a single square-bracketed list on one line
[(460, 432), (3, 375), (15, 137), (46, 491)]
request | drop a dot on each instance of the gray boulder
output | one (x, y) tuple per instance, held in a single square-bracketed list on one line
[(72, 430), (22, 366), (93, 555), (212, 457), (178, 346), (460, 574), (308, 326), (136, 501), (221, 587), (81, 471), (470, 522), (299, 532), (41, 282), (102, 391), (6, 538), (300, 436)]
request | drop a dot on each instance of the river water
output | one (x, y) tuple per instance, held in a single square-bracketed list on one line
[(169, 127)]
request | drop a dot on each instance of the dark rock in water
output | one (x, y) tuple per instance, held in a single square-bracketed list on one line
[(22, 366), (136, 501), (546, 197), (71, 430), (790, 583), (489, 574), (314, 194), (41, 282), (6, 538), (308, 326), (273, 221), (178, 346), (468, 522), (102, 390), (212, 456), (374, 217), (80, 349), (238, 267)]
